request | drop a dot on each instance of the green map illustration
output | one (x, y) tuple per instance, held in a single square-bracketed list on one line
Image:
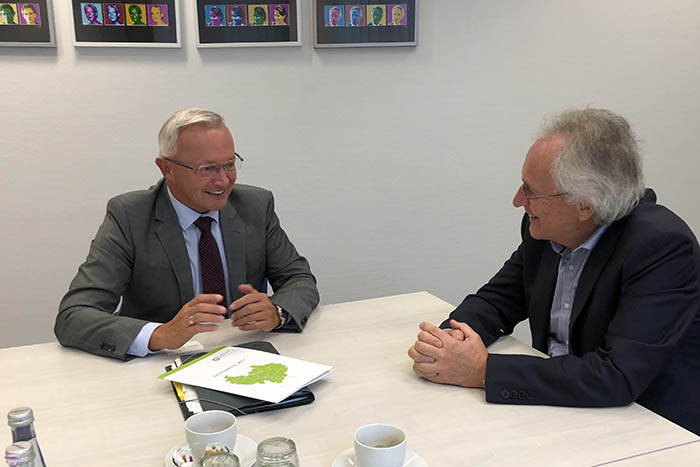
[(272, 372)]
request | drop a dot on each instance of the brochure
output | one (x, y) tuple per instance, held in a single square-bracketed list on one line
[(247, 372)]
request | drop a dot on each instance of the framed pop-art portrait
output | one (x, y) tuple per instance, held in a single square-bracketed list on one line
[(121, 24), (27, 24), (247, 23), (370, 23)]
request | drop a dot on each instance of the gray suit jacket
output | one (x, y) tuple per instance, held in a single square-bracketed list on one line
[(139, 256)]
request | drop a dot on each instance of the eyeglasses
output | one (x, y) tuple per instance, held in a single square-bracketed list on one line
[(528, 197), (211, 170)]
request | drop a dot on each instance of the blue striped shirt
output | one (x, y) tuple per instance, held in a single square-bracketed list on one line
[(571, 263)]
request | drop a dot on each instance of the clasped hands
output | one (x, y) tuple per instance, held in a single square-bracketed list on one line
[(450, 356), (253, 311)]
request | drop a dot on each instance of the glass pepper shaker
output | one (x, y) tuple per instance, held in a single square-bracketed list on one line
[(220, 459)]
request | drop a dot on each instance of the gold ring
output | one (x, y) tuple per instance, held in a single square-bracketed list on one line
[(189, 320)]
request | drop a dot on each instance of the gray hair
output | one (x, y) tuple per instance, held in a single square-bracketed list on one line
[(171, 129), (600, 163)]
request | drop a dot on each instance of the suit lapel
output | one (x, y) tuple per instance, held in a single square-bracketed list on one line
[(594, 266), (233, 233), (169, 233), (541, 299), (599, 258)]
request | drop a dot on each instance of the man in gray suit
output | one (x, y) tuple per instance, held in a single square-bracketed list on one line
[(146, 254)]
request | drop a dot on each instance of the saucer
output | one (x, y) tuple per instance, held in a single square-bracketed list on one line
[(246, 450), (347, 459)]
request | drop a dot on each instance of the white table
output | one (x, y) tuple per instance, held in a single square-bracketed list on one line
[(117, 413), (682, 454)]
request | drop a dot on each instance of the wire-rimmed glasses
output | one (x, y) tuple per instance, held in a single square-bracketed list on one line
[(529, 197), (212, 170)]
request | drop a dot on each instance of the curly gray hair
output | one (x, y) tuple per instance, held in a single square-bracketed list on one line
[(600, 163)]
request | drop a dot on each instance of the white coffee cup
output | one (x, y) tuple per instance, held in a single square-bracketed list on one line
[(380, 445), (210, 431)]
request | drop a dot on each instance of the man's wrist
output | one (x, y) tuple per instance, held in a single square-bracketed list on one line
[(483, 382), (149, 335), (155, 342)]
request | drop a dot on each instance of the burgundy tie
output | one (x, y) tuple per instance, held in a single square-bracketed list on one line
[(210, 260)]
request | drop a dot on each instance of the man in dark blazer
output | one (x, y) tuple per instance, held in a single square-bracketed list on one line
[(144, 260), (607, 278)]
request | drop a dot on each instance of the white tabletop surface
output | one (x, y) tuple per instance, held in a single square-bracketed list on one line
[(683, 454), (114, 413)]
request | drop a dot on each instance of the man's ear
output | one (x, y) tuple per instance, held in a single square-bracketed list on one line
[(163, 166), (585, 211)]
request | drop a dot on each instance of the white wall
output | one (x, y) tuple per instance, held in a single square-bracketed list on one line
[(393, 168)]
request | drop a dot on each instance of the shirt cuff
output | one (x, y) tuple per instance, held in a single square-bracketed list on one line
[(139, 348)]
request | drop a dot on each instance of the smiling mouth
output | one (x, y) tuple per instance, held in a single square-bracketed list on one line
[(215, 193)]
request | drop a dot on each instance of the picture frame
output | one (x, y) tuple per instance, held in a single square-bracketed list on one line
[(27, 24), (247, 23), (154, 23), (364, 23)]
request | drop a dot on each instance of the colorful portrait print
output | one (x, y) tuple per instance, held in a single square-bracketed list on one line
[(114, 14), (280, 14), (335, 16), (91, 14), (258, 15), (236, 15), (157, 14), (29, 14), (355, 15), (135, 14), (215, 15), (8, 13), (376, 15), (397, 14)]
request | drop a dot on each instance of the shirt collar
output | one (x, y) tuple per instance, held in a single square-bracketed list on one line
[(587, 245), (185, 214)]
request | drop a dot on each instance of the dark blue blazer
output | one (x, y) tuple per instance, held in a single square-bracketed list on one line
[(635, 324)]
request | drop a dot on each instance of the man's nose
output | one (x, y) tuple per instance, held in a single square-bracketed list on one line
[(221, 175), (519, 199)]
